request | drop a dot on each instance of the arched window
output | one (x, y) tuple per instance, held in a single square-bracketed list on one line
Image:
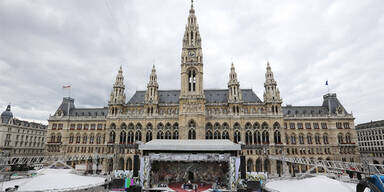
[(248, 137), (309, 139), (208, 126), (112, 136), (175, 126), (348, 138), (138, 135), (276, 125), (78, 138), (91, 138), (225, 126), (217, 135), (168, 135), (131, 126), (256, 125), (168, 126), (98, 138), (225, 134), (113, 126), (277, 137), (325, 138), (138, 126), (53, 137), (208, 134), (123, 126), (130, 137), (160, 126), (85, 138), (293, 139), (148, 136), (149, 126), (340, 138), (160, 135), (248, 125), (257, 137), (317, 139), (58, 138), (236, 126), (216, 126), (71, 138), (265, 137), (192, 132), (301, 138), (175, 134), (123, 137), (264, 125), (192, 80), (236, 136)]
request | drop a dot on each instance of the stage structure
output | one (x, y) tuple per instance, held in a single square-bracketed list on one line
[(200, 162)]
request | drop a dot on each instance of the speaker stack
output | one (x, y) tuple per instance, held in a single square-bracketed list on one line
[(242, 167), (136, 165)]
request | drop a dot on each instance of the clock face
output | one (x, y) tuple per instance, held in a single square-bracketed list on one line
[(191, 53)]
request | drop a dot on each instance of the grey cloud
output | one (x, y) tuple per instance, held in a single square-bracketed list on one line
[(46, 44)]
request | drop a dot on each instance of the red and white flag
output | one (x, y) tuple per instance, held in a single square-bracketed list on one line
[(66, 86)]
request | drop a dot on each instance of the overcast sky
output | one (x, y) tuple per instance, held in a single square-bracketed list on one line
[(47, 44)]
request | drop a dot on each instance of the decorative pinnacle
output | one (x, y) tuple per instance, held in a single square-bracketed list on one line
[(191, 4)]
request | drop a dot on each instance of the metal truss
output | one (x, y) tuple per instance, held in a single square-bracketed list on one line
[(332, 166)]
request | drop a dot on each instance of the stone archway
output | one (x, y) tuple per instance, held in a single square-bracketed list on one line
[(267, 166), (110, 164), (121, 164), (279, 167), (129, 164), (250, 165), (259, 166)]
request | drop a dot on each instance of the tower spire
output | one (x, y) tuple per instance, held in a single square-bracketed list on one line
[(151, 95), (117, 97), (118, 94), (271, 92), (234, 92)]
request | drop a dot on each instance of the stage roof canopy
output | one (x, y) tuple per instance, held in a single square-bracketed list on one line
[(190, 145)]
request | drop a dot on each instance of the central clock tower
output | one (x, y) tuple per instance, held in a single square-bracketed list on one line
[(192, 59), (192, 99)]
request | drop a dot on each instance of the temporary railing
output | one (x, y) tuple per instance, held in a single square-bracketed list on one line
[(32, 160)]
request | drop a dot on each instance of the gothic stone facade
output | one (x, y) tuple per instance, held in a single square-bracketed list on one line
[(264, 126)]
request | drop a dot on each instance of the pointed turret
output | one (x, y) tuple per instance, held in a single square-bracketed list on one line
[(151, 96), (117, 97), (234, 92), (271, 92)]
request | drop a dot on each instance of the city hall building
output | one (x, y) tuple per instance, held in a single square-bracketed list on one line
[(190, 115)]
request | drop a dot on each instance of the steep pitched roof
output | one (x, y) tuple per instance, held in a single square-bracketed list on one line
[(211, 96), (330, 105)]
